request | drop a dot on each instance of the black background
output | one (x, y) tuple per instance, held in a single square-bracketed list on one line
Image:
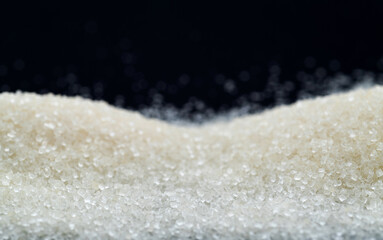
[(176, 51)]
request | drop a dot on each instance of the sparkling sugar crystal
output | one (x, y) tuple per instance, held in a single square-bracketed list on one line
[(74, 168)]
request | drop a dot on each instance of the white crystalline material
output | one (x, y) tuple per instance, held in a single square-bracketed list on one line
[(73, 168)]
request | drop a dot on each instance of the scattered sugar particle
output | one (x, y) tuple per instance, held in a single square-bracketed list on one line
[(49, 125), (11, 134), (352, 134)]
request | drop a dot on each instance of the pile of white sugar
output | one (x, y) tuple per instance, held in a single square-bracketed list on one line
[(76, 169)]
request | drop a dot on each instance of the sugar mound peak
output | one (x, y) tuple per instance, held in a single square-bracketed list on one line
[(77, 169)]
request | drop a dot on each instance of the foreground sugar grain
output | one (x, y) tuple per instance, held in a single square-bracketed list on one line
[(73, 168)]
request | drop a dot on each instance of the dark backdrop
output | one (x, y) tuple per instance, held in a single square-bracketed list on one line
[(220, 53)]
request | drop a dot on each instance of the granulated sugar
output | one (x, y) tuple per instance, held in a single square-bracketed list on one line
[(74, 168)]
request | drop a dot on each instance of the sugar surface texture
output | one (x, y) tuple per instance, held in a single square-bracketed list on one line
[(76, 169)]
